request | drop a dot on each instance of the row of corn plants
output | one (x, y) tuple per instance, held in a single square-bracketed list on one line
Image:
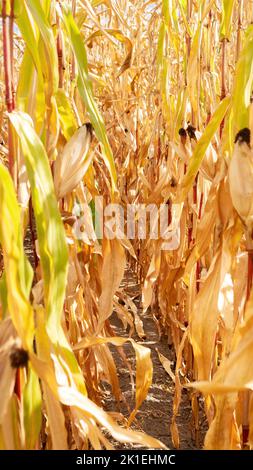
[(56, 296), (140, 102)]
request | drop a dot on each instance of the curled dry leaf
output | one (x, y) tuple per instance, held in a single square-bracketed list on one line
[(166, 363), (144, 367)]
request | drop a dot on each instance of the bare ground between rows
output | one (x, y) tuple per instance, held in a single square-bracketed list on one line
[(155, 414)]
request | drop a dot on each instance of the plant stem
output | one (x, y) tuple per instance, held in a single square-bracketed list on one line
[(7, 27), (60, 54)]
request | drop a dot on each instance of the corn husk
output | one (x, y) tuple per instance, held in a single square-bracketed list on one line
[(73, 162), (241, 182)]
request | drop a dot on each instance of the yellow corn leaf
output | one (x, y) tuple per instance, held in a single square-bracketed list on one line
[(178, 391), (56, 420), (204, 318), (92, 14), (144, 367), (30, 91), (222, 432), (86, 408), (121, 38), (49, 52), (234, 373), (66, 114), (201, 147), (243, 84), (12, 438), (203, 235), (152, 274), (166, 363), (30, 35), (53, 249), (32, 403), (51, 236), (8, 341), (26, 77), (193, 67), (17, 269), (54, 411), (227, 16), (114, 262)]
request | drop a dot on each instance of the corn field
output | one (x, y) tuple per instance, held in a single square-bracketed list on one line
[(130, 103)]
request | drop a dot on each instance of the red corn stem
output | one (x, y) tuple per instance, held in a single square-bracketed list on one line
[(168, 203), (190, 230), (250, 273), (200, 205), (17, 388), (208, 117), (245, 434)]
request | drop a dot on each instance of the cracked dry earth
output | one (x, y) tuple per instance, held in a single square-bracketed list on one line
[(154, 416)]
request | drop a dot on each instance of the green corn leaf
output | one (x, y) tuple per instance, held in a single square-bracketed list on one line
[(48, 53), (243, 83), (85, 90), (51, 237), (18, 271), (3, 295), (30, 35), (66, 114), (160, 45), (31, 98), (32, 402), (193, 67), (25, 81), (202, 146), (226, 22)]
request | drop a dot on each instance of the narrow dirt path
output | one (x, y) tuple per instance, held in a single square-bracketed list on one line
[(155, 414)]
